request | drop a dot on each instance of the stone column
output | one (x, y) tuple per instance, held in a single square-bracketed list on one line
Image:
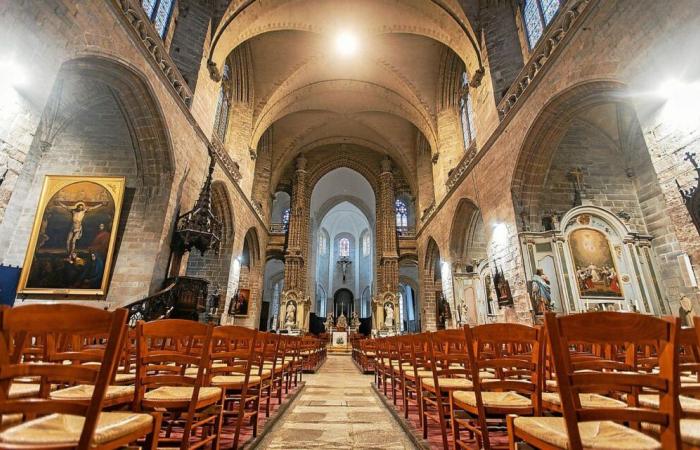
[(295, 256), (387, 251)]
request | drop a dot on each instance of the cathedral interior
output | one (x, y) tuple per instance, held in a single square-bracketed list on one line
[(351, 170)]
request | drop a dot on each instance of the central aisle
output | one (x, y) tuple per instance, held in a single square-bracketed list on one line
[(337, 410)]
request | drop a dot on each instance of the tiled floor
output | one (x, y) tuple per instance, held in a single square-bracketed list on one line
[(337, 410)]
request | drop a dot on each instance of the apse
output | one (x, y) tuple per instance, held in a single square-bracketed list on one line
[(342, 211)]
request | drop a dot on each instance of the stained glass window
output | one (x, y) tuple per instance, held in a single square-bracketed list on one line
[(158, 12), (466, 110), (401, 214), (222, 108), (344, 247), (533, 21), (549, 10), (537, 14), (365, 245), (149, 6)]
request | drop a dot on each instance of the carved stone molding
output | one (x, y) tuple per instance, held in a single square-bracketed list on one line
[(461, 168), (229, 165), (141, 27), (567, 22)]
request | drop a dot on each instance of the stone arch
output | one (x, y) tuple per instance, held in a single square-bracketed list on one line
[(313, 97), (343, 159), (432, 283), (433, 19), (587, 147), (102, 118), (251, 275), (546, 133), (467, 239)]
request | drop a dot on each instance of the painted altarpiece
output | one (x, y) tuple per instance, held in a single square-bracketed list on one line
[(595, 262)]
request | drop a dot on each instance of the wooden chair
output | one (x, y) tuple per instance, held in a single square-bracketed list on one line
[(233, 358), (66, 424), (585, 358), (269, 371), (88, 350), (604, 427), (165, 350), (512, 352), (447, 353)]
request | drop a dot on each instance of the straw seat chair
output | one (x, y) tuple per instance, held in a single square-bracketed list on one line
[(67, 424), (603, 427), (165, 348), (235, 347), (512, 352)]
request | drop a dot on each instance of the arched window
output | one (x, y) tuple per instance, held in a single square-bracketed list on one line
[(344, 247), (159, 12), (401, 214), (365, 245), (537, 15), (322, 244), (466, 113), (222, 106)]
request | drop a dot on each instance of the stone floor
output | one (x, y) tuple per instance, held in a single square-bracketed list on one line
[(337, 410)]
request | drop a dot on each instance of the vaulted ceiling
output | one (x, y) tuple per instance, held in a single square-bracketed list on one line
[(311, 95)]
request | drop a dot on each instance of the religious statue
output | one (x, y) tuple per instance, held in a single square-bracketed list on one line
[(329, 322), (541, 293), (290, 316), (685, 311), (463, 313), (389, 315), (355, 321), (342, 321)]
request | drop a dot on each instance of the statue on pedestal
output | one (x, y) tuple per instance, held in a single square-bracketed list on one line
[(329, 322), (290, 316), (389, 315), (355, 321), (342, 322)]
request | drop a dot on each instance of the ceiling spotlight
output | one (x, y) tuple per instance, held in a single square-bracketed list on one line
[(347, 43)]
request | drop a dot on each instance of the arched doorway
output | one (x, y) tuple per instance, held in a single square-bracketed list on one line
[(343, 302)]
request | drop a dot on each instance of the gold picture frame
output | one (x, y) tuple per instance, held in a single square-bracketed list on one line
[(594, 264), (72, 243)]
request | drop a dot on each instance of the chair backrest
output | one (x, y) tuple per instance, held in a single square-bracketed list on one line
[(55, 323), (166, 349), (448, 353), (631, 331), (233, 351), (512, 353)]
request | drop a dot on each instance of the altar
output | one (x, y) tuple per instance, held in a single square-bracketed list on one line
[(340, 340)]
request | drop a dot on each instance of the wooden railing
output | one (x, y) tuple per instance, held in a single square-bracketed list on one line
[(182, 297)]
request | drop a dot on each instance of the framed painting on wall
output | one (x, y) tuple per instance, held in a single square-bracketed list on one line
[(239, 303), (72, 242), (596, 271)]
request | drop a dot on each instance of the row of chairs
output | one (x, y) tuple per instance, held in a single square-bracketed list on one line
[(594, 380), (77, 377)]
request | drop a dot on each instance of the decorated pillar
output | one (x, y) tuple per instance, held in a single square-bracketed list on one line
[(295, 303), (386, 302)]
